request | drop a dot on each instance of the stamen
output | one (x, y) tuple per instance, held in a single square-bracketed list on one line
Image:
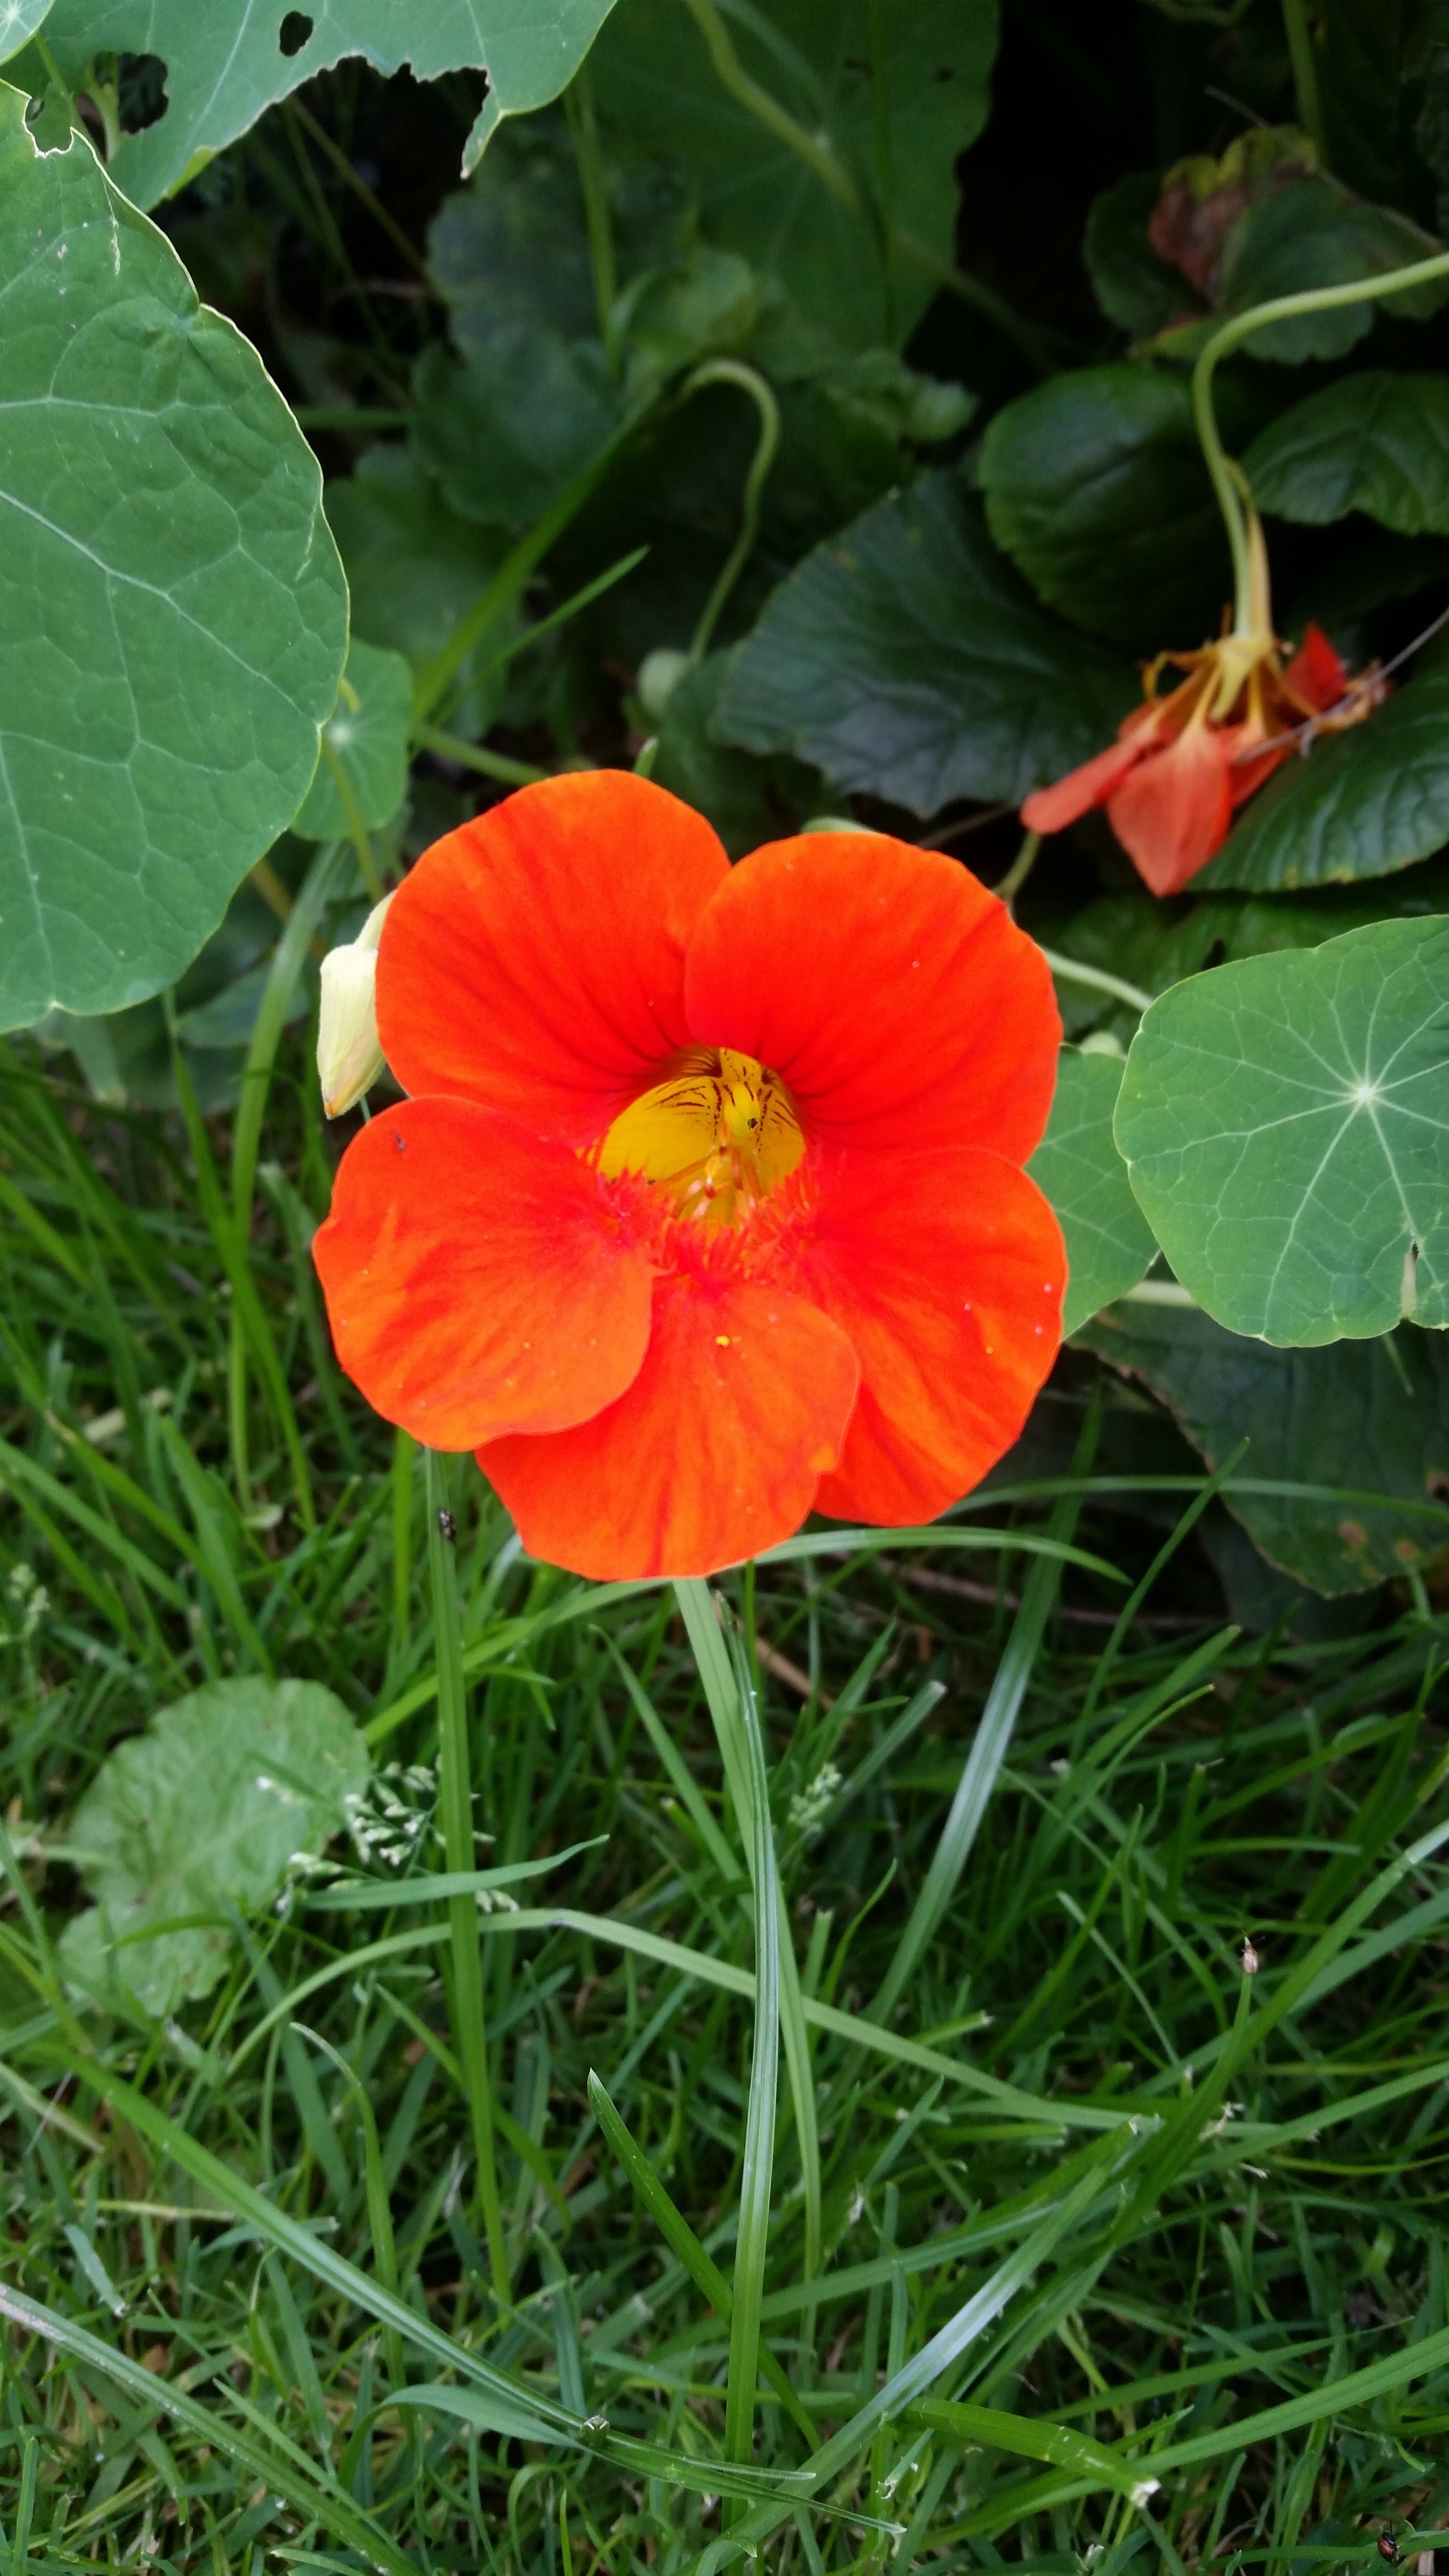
[(717, 1138)]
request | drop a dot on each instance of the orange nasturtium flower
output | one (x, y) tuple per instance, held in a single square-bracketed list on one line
[(1182, 764), (707, 1204)]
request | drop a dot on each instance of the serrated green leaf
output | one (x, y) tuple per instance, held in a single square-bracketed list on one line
[(1286, 1124), (1360, 804), (892, 92), (18, 22), (201, 1814), (1373, 442), (1109, 1242), (173, 616), (1315, 233), (1357, 1419), (907, 658), (1095, 486), (225, 61), (367, 733)]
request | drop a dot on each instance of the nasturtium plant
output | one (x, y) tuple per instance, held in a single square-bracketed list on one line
[(226, 61), (1374, 442), (173, 616), (1109, 1241), (1286, 1125), (200, 1819)]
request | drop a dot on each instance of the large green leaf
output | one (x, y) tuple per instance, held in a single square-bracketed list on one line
[(227, 60), (1364, 1418), (1095, 485), (1361, 804), (200, 1815), (367, 734), (907, 658), (1286, 1124), (173, 616), (1109, 1242), (1374, 442), (890, 91)]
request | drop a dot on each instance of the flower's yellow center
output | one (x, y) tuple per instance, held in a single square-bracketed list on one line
[(720, 1135)]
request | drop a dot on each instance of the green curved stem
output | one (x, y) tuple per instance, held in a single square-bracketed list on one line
[(733, 371), (1226, 476), (812, 148)]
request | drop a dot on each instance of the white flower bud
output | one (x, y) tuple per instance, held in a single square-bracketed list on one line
[(349, 1054)]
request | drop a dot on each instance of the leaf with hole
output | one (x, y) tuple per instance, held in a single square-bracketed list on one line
[(1286, 1124), (367, 735), (1356, 1420), (1109, 1241), (173, 616), (810, 134), (225, 61), (199, 1816), (1373, 442), (907, 659)]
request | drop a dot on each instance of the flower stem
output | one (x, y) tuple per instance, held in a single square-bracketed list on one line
[(1227, 478), (455, 1805), (1305, 72), (733, 371)]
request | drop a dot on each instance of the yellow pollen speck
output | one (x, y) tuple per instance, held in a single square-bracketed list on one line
[(722, 1341), (720, 1136)]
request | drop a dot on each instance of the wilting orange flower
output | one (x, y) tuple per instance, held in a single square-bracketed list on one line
[(707, 1204), (1181, 765)]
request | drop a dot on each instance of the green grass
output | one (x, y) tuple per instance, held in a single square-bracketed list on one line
[(1035, 2199)]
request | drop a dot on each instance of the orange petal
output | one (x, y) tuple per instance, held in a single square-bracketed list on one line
[(477, 1280), (1317, 674), (714, 1453), (1051, 809), (534, 960), (895, 997), (1174, 810), (947, 1272)]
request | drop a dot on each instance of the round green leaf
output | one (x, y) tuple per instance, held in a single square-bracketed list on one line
[(889, 92), (1095, 485), (18, 22), (1360, 804), (1109, 1242), (199, 1816), (1374, 442), (367, 733), (1286, 1124), (906, 658), (173, 615), (225, 61), (1315, 233)]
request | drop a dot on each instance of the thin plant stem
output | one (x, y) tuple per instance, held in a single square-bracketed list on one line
[(733, 371), (593, 185), (1020, 868), (1072, 971), (812, 149), (1227, 478), (474, 755), (356, 821), (1305, 73), (455, 1808), (405, 1450), (360, 189)]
